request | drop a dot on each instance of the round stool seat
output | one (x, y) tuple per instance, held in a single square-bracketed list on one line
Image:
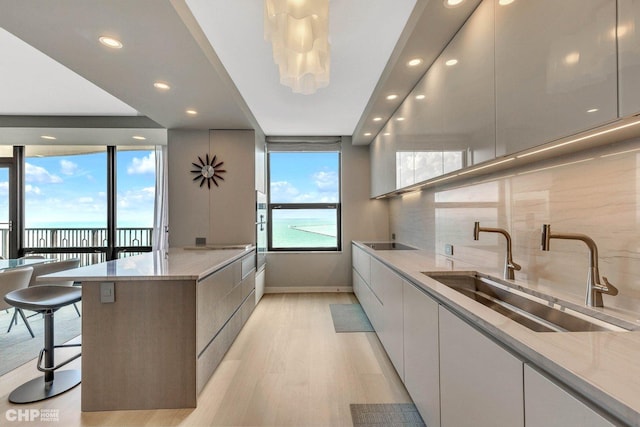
[(42, 298)]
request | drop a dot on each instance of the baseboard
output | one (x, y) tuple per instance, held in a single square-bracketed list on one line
[(305, 289)]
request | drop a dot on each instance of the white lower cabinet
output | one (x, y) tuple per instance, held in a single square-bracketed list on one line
[(387, 285), (421, 352), (480, 382), (549, 405)]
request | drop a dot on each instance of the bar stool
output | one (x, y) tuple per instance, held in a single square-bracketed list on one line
[(46, 300)]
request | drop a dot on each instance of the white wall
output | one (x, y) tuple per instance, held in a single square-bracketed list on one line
[(362, 219), (594, 192)]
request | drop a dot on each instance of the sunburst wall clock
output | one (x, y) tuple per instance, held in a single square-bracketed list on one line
[(208, 171)]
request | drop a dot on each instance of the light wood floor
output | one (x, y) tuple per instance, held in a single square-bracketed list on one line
[(287, 367)]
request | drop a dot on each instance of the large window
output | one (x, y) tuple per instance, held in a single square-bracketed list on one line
[(92, 202), (304, 201), (136, 181)]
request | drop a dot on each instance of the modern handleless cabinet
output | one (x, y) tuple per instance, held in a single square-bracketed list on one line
[(387, 285), (421, 352), (478, 375), (628, 33), (549, 405), (556, 71)]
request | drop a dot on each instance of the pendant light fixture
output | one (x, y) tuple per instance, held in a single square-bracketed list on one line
[(299, 33)]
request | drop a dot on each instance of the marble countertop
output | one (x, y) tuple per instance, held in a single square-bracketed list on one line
[(174, 264), (603, 366)]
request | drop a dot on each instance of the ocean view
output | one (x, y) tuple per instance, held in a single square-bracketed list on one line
[(302, 232)]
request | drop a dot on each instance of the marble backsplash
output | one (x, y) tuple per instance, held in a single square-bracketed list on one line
[(594, 192)]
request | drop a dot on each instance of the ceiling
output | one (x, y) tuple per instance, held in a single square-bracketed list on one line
[(214, 56)]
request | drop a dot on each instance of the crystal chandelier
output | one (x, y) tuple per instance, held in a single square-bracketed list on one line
[(299, 33)]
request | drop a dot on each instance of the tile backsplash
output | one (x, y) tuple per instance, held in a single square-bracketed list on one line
[(594, 192)]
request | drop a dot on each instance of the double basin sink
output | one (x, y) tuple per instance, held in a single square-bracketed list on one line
[(540, 313)]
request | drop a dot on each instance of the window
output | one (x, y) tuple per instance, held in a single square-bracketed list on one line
[(72, 210), (136, 181), (304, 201)]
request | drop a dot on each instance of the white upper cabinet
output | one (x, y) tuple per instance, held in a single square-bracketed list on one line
[(556, 71), (629, 56), (382, 166), (448, 120), (467, 92)]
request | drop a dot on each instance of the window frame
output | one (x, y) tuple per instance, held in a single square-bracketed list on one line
[(108, 252), (312, 206)]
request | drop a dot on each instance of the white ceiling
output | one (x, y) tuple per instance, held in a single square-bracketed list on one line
[(214, 55), (363, 34)]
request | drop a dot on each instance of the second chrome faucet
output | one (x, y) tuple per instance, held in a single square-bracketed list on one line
[(595, 289), (509, 265)]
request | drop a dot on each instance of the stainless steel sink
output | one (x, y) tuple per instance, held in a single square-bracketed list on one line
[(389, 246), (532, 312)]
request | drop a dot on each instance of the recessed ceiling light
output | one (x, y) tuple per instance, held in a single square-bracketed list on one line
[(377, 119), (505, 2), (110, 42), (48, 137), (453, 3), (161, 85), (367, 134), (392, 97), (420, 97), (400, 119), (191, 112), (414, 62), (593, 110), (139, 138), (451, 62), (386, 133)]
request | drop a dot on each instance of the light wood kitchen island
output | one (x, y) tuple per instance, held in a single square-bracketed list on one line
[(173, 317)]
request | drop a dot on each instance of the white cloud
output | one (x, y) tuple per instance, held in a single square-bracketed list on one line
[(326, 181), (145, 165), (85, 200), (4, 187), (68, 167), (136, 198), (32, 189), (283, 191), (39, 174)]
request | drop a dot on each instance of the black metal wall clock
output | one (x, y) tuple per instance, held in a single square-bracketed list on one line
[(208, 171)]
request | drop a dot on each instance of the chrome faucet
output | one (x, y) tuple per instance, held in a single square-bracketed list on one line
[(594, 288), (509, 265)]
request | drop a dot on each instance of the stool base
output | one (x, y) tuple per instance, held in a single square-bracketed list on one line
[(36, 390)]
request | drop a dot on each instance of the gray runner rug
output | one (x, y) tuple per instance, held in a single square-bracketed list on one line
[(350, 318), (386, 414)]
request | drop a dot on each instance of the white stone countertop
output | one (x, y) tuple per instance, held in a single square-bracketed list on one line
[(175, 264), (602, 366)]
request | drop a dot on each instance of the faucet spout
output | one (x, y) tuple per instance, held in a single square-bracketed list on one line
[(595, 289), (509, 265)]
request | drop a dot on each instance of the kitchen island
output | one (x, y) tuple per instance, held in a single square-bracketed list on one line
[(155, 326)]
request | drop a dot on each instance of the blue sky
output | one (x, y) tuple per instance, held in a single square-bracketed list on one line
[(71, 190), (304, 177)]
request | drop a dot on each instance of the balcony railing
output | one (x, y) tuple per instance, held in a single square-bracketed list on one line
[(56, 240)]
